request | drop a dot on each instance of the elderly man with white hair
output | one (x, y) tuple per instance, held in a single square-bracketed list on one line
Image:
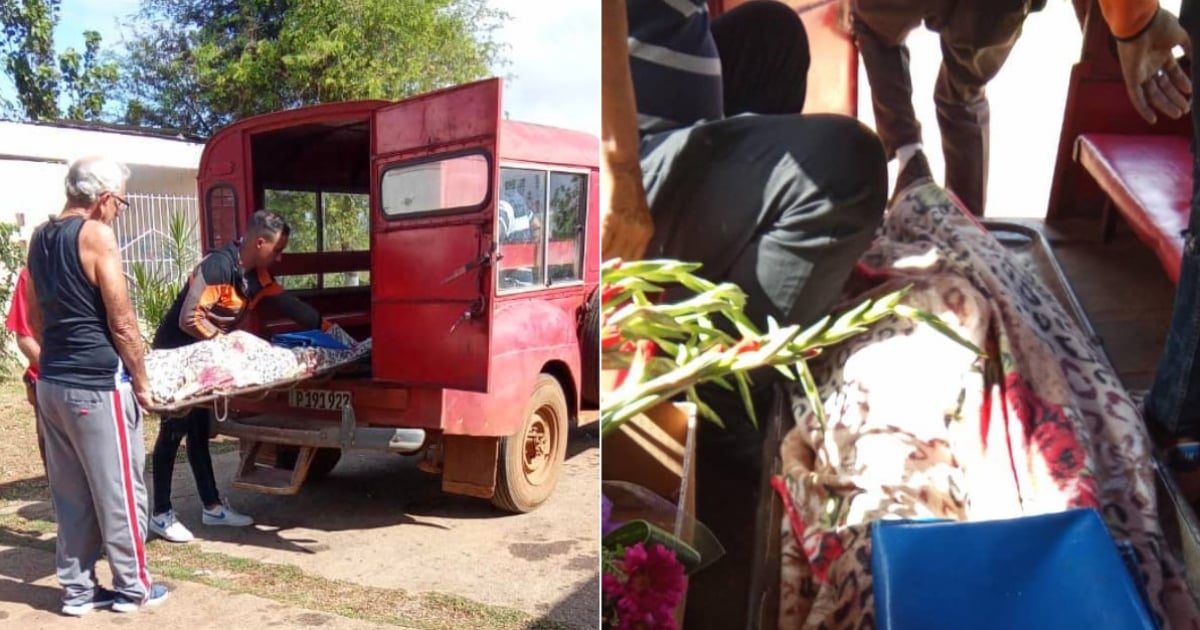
[(92, 379)]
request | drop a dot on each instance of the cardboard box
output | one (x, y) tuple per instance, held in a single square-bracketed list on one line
[(657, 449)]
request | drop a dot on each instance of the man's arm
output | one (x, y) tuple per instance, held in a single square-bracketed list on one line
[(18, 320), (301, 313), (30, 348), (1146, 40), (201, 296), (625, 222), (1126, 18), (33, 314), (98, 243)]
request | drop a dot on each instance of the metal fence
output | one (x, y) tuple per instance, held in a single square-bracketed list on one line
[(158, 231)]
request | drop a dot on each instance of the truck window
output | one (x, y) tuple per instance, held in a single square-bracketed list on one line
[(222, 210), (345, 227), (540, 228), (450, 184), (324, 221), (567, 207), (519, 221)]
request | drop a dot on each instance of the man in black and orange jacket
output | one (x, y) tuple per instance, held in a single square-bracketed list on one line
[(224, 287)]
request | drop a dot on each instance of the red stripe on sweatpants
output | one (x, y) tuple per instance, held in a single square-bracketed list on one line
[(139, 547)]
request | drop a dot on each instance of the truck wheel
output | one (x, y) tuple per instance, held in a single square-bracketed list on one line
[(589, 344), (531, 461), (323, 462)]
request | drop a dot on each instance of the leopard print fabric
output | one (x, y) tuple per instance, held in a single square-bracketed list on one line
[(237, 361), (919, 427)]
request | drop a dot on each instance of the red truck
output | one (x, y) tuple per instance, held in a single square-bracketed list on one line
[(464, 245)]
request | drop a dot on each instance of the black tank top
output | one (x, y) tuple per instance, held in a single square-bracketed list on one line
[(77, 347)]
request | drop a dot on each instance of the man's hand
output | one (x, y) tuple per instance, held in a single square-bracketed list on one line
[(1152, 76), (625, 223), (845, 18), (144, 397)]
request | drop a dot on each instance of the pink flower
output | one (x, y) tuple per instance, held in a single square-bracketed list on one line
[(653, 586)]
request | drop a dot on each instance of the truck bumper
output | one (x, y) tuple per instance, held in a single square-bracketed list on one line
[(306, 432)]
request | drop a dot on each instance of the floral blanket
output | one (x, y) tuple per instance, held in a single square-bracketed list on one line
[(237, 361), (919, 427)]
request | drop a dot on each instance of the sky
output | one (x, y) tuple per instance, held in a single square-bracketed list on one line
[(553, 50)]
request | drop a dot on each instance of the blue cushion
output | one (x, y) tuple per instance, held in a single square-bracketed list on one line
[(1059, 570), (308, 338)]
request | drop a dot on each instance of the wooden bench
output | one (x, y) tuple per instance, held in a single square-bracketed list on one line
[(1148, 180)]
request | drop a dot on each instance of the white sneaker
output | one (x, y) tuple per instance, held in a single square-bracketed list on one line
[(225, 515), (169, 528)]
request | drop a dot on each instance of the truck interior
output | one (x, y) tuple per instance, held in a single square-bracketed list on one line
[(318, 177), (1108, 248)]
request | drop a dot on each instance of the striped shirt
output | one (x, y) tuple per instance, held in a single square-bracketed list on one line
[(674, 63)]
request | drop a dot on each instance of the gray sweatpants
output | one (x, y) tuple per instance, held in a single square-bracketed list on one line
[(95, 458)]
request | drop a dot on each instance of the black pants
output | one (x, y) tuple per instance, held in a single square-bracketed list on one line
[(193, 426), (976, 38), (1173, 405)]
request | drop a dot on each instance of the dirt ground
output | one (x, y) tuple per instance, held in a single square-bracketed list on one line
[(376, 544)]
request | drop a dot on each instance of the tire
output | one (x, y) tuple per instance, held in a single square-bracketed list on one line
[(531, 461), (324, 460), (589, 355)]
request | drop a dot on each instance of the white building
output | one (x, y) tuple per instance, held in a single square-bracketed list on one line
[(33, 164), (34, 159)]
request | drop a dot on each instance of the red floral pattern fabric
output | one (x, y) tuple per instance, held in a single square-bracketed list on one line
[(919, 427), (239, 360)]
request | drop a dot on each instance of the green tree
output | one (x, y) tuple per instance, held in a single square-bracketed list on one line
[(42, 78), (197, 65), (566, 206), (343, 219), (86, 80)]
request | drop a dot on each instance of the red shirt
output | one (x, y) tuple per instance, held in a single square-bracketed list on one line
[(17, 321)]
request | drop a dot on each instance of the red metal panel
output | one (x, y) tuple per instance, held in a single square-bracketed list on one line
[(222, 165), (348, 110), (527, 142), (415, 315), (321, 262), (530, 332), (591, 271), (454, 115), (420, 327)]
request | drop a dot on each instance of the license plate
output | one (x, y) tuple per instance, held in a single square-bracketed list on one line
[(330, 400)]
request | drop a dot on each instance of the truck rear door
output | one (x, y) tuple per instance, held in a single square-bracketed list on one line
[(434, 170)]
